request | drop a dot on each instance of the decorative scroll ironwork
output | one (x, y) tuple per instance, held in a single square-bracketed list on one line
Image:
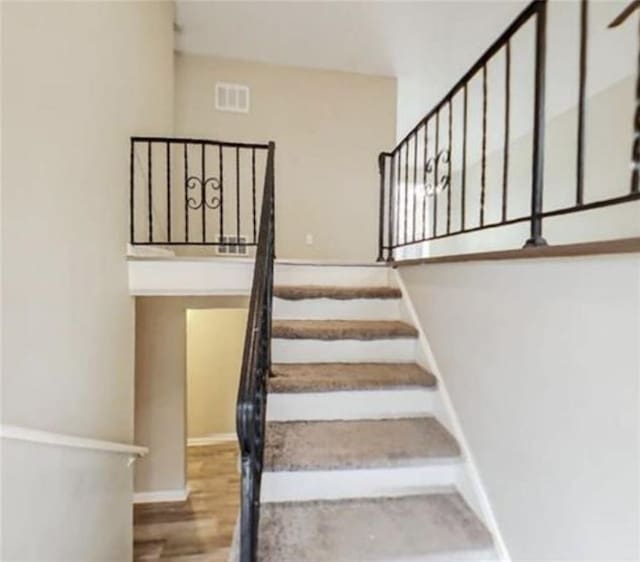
[(196, 183), (437, 182)]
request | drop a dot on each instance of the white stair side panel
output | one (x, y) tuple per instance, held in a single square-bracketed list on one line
[(350, 404), (190, 276), (347, 351), (334, 309), (339, 275), (302, 485), (469, 484)]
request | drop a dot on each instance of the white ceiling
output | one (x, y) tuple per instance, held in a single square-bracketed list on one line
[(384, 38)]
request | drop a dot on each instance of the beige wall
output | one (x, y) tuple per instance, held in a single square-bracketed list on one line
[(161, 386), (215, 341), (541, 360), (328, 128), (77, 80)]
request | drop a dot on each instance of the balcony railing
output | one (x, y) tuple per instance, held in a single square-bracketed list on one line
[(195, 192), (425, 191)]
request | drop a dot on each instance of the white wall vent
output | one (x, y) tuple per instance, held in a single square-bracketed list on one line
[(232, 97), (229, 247)]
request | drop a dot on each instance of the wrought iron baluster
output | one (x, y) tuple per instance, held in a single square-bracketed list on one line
[(381, 172), (406, 191), (635, 155), (398, 195), (483, 173), (584, 20), (392, 206), (186, 194), (435, 182), (253, 191), (237, 195), (537, 168), (168, 193), (221, 168), (415, 184), (131, 192), (425, 159), (449, 158), (507, 110), (150, 189), (463, 186), (203, 205)]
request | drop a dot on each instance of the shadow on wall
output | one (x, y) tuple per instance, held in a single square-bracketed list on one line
[(215, 339), (161, 382)]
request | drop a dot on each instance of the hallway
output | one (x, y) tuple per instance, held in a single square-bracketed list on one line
[(200, 529)]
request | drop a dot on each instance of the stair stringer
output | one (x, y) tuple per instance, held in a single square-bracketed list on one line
[(469, 482)]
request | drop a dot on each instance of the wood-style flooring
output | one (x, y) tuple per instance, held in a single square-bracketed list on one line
[(200, 529)]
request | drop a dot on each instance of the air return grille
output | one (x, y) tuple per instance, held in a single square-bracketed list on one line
[(229, 246), (232, 97)]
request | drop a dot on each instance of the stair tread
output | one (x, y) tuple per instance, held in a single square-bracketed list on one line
[(301, 292), (434, 527), (327, 377), (342, 329), (148, 550), (330, 445)]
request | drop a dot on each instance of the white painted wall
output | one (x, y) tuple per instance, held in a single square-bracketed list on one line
[(611, 58), (542, 363), (77, 80)]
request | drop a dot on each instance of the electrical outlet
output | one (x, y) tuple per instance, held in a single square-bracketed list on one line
[(309, 239)]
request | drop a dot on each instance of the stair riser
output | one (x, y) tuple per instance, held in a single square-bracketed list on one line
[(350, 405), (333, 309), (357, 483), (348, 351), (352, 276)]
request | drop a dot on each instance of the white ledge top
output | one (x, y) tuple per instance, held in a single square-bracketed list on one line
[(48, 438)]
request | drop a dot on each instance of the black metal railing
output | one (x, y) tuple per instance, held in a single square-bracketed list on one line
[(423, 200), (194, 192), (256, 367)]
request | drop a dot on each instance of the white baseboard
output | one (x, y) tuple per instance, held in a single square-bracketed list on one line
[(470, 484), (162, 496), (213, 439)]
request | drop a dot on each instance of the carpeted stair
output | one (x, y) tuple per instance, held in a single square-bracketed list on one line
[(301, 445), (435, 527), (296, 293), (342, 329), (327, 377), (354, 468)]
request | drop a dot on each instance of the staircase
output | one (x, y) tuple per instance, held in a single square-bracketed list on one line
[(356, 464)]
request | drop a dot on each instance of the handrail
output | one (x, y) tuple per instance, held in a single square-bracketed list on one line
[(189, 140), (256, 367), (19, 433)]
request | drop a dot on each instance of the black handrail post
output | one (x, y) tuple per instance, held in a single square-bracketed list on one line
[(582, 83), (537, 172), (635, 154), (381, 171), (131, 204), (272, 149)]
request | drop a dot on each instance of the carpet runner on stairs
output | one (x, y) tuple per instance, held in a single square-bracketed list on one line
[(342, 329), (323, 445), (378, 484), (327, 377), (435, 527)]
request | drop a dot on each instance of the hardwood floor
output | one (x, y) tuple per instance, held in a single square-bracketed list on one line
[(200, 529)]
